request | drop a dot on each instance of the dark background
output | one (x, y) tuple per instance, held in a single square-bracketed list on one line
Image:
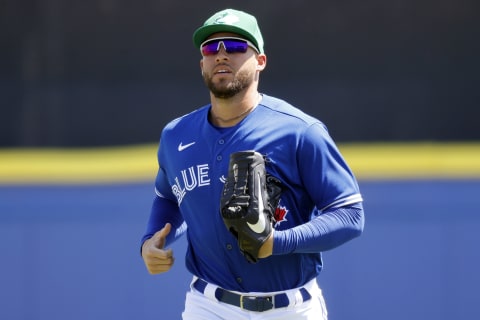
[(106, 72)]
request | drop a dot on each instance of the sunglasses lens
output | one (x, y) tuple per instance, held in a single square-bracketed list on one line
[(231, 46), (210, 48)]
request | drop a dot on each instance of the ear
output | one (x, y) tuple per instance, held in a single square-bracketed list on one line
[(261, 61), (201, 65)]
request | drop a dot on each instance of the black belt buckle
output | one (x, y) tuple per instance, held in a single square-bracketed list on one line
[(254, 303)]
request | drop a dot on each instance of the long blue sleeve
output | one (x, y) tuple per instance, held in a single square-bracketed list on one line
[(324, 232), (163, 211)]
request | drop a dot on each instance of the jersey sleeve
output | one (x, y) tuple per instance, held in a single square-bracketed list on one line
[(338, 214), (324, 172)]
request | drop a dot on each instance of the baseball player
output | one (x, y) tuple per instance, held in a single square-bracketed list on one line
[(258, 187)]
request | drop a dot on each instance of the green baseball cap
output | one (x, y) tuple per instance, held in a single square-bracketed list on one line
[(230, 20)]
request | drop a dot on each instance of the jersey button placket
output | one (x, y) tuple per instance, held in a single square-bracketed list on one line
[(221, 142)]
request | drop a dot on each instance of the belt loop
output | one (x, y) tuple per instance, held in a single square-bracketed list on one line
[(210, 290), (195, 278), (298, 297), (292, 298)]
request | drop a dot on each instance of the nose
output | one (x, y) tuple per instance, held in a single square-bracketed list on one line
[(222, 52)]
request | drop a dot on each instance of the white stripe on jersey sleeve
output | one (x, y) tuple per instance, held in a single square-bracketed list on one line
[(344, 201)]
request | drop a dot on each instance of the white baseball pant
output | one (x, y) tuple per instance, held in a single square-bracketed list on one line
[(205, 305)]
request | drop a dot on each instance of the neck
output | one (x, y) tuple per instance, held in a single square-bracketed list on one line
[(229, 112)]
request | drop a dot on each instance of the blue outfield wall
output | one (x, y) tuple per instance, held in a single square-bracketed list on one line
[(72, 252)]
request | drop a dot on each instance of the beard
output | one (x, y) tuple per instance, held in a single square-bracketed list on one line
[(226, 89)]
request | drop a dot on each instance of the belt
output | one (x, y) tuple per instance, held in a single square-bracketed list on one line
[(251, 302)]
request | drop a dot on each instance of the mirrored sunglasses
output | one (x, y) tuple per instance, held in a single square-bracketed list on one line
[(231, 45)]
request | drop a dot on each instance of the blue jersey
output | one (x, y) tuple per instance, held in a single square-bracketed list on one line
[(193, 163)]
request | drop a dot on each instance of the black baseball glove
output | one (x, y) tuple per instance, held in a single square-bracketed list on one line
[(248, 202)]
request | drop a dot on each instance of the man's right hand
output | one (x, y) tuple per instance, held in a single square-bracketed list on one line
[(157, 260)]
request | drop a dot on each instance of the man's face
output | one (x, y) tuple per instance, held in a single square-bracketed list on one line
[(227, 74)]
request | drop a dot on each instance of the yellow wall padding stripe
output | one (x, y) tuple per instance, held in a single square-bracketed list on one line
[(138, 163), (413, 160), (78, 166)]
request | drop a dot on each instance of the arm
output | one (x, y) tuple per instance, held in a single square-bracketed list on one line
[(164, 211), (164, 217), (332, 188), (325, 232)]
